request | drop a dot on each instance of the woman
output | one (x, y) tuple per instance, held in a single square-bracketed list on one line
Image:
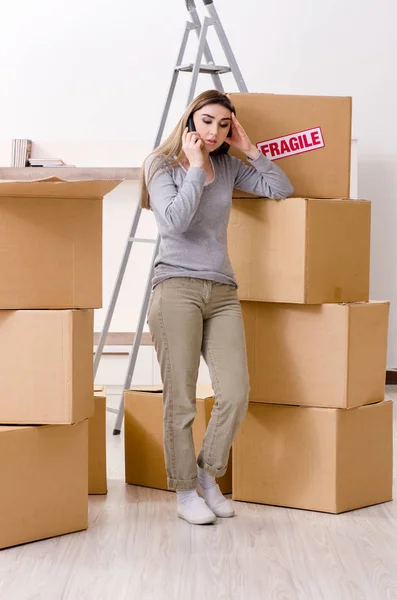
[(194, 309)]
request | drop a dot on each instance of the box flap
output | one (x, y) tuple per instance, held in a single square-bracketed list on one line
[(151, 389), (54, 187), (339, 200), (5, 428)]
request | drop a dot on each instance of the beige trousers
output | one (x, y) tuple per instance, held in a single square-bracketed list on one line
[(188, 317)]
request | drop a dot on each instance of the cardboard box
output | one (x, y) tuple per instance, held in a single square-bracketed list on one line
[(46, 366), (333, 355), (51, 243), (43, 472), (308, 136), (97, 479), (300, 250), (329, 460), (143, 436)]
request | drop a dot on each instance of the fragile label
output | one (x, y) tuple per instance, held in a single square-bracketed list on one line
[(295, 143)]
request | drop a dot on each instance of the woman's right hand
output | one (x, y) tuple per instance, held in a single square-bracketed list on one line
[(192, 145)]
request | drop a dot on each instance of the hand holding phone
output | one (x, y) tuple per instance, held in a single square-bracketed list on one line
[(192, 145)]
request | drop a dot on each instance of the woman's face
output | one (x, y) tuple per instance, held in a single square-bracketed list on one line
[(212, 124)]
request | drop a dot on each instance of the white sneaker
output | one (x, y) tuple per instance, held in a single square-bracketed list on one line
[(216, 501), (196, 512)]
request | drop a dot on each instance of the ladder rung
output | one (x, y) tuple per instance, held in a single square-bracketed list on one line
[(143, 240), (209, 69)]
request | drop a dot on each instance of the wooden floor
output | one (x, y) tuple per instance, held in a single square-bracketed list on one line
[(136, 548)]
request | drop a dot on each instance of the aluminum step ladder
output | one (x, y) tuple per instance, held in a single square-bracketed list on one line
[(215, 71)]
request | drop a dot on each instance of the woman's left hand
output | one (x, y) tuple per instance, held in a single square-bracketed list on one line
[(240, 140)]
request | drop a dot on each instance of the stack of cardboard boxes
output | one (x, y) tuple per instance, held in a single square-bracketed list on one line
[(318, 432), (51, 280)]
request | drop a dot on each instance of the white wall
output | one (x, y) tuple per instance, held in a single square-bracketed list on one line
[(92, 74)]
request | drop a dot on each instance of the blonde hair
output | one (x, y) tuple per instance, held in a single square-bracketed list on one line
[(170, 152)]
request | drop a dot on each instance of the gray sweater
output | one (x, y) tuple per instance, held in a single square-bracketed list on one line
[(192, 216)]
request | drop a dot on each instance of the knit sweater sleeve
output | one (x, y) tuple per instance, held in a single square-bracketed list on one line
[(263, 178), (174, 208)]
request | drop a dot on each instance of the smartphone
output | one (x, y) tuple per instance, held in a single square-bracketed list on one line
[(190, 124)]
